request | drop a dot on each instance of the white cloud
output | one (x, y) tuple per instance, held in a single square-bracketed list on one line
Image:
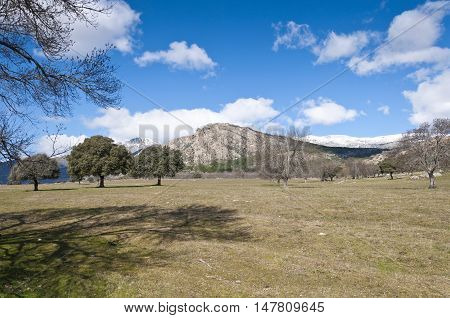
[(246, 110), (163, 126), (337, 46), (114, 27), (179, 56), (384, 109), (410, 40), (63, 142), (324, 111), (292, 36), (431, 99)]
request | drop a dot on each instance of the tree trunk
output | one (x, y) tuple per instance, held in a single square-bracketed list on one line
[(36, 184), (432, 180), (159, 181), (331, 178), (392, 177), (102, 182), (285, 182)]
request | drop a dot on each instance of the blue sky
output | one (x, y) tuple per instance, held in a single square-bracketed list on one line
[(246, 61)]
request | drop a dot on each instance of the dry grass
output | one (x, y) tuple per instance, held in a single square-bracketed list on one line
[(226, 238)]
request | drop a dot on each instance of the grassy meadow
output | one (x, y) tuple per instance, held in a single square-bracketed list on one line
[(226, 238)]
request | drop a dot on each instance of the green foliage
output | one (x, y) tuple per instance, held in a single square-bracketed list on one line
[(158, 161), (98, 156), (388, 166), (37, 167)]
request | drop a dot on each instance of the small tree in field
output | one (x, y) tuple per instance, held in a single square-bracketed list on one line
[(158, 162), (284, 157), (388, 166), (428, 147), (98, 156), (329, 169), (35, 168)]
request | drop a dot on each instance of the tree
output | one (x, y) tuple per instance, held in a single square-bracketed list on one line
[(98, 156), (388, 166), (283, 156), (428, 147), (157, 162), (329, 169), (35, 168), (39, 73), (358, 168), (14, 140), (372, 169)]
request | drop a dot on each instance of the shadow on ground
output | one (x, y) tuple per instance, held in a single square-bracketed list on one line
[(69, 252)]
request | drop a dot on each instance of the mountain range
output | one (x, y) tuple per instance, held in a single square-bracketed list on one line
[(222, 142)]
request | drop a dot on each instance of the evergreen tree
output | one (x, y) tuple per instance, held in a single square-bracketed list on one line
[(158, 162), (98, 156), (35, 168), (388, 166)]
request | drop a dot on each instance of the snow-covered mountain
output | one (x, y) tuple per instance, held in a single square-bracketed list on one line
[(137, 144), (381, 142)]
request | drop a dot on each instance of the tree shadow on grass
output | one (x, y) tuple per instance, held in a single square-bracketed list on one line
[(57, 189), (69, 252), (91, 186)]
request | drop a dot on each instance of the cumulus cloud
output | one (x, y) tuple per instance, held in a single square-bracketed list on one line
[(324, 111), (162, 126), (179, 56), (406, 46), (335, 46), (431, 99), (115, 27), (338, 46), (384, 109), (62, 143), (292, 36)]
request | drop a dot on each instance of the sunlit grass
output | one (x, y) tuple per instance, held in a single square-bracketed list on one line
[(226, 237)]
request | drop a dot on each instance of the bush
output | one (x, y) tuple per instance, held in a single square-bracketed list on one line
[(197, 175)]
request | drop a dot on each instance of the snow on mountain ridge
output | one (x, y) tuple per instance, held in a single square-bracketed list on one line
[(383, 142), (135, 145)]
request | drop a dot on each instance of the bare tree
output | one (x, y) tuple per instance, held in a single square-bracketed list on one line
[(38, 76), (14, 140), (329, 169), (428, 147), (284, 157)]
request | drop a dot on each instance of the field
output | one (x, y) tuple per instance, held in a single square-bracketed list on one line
[(226, 238)]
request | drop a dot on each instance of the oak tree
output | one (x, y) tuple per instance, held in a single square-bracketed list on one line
[(157, 162), (35, 168), (98, 156)]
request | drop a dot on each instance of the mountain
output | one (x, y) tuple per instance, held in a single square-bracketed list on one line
[(224, 142), (135, 145), (381, 142)]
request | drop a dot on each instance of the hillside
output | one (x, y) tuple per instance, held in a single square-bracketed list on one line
[(222, 142)]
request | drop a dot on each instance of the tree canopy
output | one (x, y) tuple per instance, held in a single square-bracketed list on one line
[(428, 147), (157, 162), (35, 168), (40, 74), (98, 156), (389, 166)]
